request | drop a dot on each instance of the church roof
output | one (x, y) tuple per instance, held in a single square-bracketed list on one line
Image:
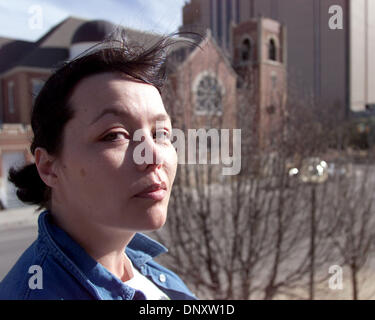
[(93, 31), (53, 47)]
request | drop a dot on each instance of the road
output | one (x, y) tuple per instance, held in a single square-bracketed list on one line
[(13, 243)]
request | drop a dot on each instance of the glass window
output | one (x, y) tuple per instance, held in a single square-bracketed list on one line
[(37, 85), (208, 95), (246, 50), (272, 50)]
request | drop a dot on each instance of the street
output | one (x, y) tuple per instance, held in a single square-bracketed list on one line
[(13, 243)]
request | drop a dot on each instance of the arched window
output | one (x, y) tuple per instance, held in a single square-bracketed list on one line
[(246, 50), (272, 50), (208, 95)]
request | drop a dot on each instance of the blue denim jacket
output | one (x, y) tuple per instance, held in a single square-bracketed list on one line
[(68, 272)]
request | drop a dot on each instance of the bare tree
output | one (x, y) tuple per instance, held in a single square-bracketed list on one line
[(354, 212), (249, 236)]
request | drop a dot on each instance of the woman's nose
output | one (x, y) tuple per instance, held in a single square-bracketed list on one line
[(147, 155)]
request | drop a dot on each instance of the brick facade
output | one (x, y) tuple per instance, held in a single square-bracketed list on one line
[(23, 94), (268, 73), (204, 60)]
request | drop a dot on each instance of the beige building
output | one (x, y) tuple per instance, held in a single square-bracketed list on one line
[(332, 66)]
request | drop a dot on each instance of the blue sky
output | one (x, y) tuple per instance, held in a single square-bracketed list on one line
[(16, 16)]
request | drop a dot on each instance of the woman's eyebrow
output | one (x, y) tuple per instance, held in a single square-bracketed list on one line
[(162, 117), (124, 114), (116, 112)]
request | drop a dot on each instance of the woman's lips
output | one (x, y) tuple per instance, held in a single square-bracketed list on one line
[(156, 191)]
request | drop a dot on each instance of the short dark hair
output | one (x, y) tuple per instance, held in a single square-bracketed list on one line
[(52, 110)]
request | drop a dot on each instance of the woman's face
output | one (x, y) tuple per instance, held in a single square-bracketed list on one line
[(98, 178)]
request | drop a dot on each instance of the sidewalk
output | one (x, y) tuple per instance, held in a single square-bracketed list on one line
[(13, 218)]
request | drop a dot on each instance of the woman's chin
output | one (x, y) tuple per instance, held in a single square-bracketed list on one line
[(136, 219), (155, 220)]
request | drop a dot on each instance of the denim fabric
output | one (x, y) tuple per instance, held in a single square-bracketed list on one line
[(68, 272)]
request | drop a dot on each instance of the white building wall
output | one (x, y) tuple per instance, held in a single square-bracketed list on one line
[(371, 51), (78, 48), (362, 64), (8, 191)]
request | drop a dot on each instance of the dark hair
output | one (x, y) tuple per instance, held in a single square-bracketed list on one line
[(52, 109)]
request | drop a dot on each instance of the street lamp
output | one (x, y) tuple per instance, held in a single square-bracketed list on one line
[(313, 172)]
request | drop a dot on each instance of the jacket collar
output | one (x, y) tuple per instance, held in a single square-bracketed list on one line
[(140, 250)]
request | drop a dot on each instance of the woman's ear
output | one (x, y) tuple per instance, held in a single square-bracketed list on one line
[(45, 164)]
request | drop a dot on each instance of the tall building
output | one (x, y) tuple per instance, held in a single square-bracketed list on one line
[(333, 66), (259, 49)]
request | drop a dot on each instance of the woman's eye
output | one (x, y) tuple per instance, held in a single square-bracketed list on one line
[(115, 136), (162, 135)]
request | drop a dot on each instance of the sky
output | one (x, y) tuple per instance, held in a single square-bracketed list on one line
[(30, 19)]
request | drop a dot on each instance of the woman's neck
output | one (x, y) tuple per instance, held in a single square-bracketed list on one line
[(104, 244)]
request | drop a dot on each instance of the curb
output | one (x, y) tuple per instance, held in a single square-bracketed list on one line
[(19, 217)]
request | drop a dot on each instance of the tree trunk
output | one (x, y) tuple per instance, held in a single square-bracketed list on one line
[(312, 243), (353, 269)]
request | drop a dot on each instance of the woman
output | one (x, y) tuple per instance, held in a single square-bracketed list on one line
[(88, 176)]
